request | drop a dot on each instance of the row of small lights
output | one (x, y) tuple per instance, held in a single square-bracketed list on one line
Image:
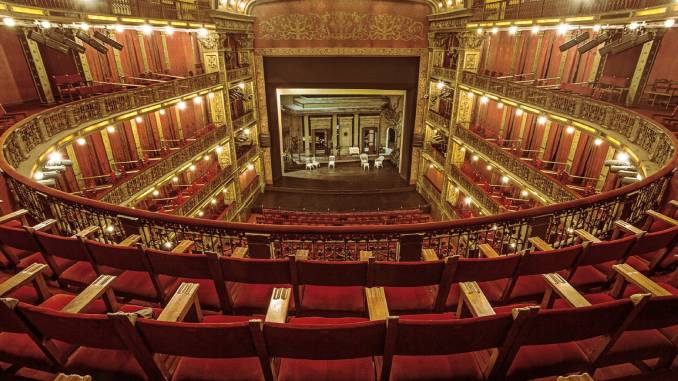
[(564, 28), (213, 201), (145, 28)]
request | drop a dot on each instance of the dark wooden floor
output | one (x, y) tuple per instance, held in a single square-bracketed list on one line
[(346, 188)]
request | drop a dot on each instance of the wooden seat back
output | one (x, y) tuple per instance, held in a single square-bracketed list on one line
[(405, 274), (255, 271), (129, 258), (62, 247), (484, 269), (605, 251), (330, 273)]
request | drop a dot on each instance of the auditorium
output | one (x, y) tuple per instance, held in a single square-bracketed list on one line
[(338, 190)]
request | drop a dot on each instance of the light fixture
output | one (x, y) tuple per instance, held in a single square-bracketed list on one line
[(513, 29), (55, 157), (213, 201), (470, 95), (118, 28), (569, 130), (479, 30), (146, 29), (156, 192), (633, 26), (250, 167), (440, 85), (181, 105), (535, 29), (241, 85), (39, 175), (524, 193), (504, 179), (563, 28), (197, 100), (162, 111), (246, 131), (110, 229), (542, 119), (500, 105), (202, 32), (467, 200), (45, 24), (623, 156), (596, 28), (84, 26), (192, 168), (218, 150), (175, 179), (449, 3), (210, 95), (8, 21), (484, 99), (81, 141), (206, 157), (494, 30), (110, 129), (462, 149), (639, 177), (169, 30), (430, 165), (519, 112), (167, 245), (669, 23), (489, 167), (598, 141), (201, 213), (474, 158)]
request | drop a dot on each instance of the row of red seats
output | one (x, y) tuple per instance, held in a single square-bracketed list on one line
[(288, 217), (73, 86)]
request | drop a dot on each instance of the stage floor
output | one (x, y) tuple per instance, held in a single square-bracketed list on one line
[(346, 188)]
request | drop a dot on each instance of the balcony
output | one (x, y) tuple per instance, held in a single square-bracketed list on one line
[(435, 154), (443, 73), (213, 185), (486, 203), (245, 153), (439, 121), (165, 9), (239, 74), (243, 120), (531, 9)]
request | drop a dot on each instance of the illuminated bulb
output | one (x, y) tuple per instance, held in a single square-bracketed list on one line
[(119, 28), (467, 200), (84, 26), (639, 177), (495, 30), (201, 213), (470, 95), (474, 158), (139, 119), (146, 29), (213, 201), (181, 105), (241, 5), (489, 167), (598, 141), (241, 85), (202, 32), (456, 189), (542, 120), (462, 149), (623, 156), (494, 227), (55, 156), (110, 129), (169, 30), (167, 245), (430, 165), (246, 131), (210, 95), (513, 29), (484, 99), (39, 176), (156, 192), (500, 105), (110, 228), (479, 30), (162, 112), (218, 150), (535, 29), (596, 28), (206, 157), (504, 179), (250, 166), (197, 100), (449, 3), (633, 26), (45, 24), (519, 112), (569, 130), (669, 23), (440, 85), (8, 21), (192, 168), (524, 193), (513, 245), (440, 4), (81, 141), (175, 179), (563, 28)]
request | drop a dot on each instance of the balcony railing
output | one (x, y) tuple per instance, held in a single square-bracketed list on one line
[(247, 155), (529, 9), (444, 73), (239, 74), (439, 121), (505, 232), (243, 120), (199, 197), (471, 189), (165, 9), (125, 190), (435, 154)]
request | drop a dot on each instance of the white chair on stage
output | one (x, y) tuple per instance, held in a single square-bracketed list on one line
[(364, 162), (309, 164), (330, 164), (315, 163), (379, 162)]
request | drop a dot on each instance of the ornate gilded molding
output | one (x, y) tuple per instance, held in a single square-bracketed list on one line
[(340, 26)]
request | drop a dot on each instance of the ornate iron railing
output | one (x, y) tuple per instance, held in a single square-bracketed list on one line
[(439, 121), (444, 73), (505, 232), (244, 120), (435, 154), (528, 9), (122, 191), (206, 191), (239, 74), (546, 185), (471, 189), (635, 128)]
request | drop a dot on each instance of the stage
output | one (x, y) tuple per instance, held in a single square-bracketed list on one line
[(346, 188)]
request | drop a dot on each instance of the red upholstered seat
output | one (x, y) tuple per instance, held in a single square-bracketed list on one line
[(328, 288), (81, 274), (138, 284), (250, 282), (61, 263), (409, 286), (460, 366), (588, 276), (105, 363), (236, 369), (253, 298), (651, 250), (645, 344), (361, 369), (550, 359), (411, 299), (330, 300)]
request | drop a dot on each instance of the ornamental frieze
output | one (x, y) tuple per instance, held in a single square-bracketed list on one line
[(341, 26)]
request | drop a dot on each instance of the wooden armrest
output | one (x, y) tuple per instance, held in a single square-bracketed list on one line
[(88, 231), (627, 227), (472, 297), (540, 244), (239, 252), (658, 216), (131, 240), (366, 255), (278, 306), (429, 255), (576, 377), (183, 246), (183, 300), (586, 236), (102, 286), (376, 303), (21, 213), (32, 273), (487, 251), (631, 275), (44, 225), (72, 377), (301, 254), (565, 290)]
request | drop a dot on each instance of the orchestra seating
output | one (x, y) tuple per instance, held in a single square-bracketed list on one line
[(290, 217), (75, 304)]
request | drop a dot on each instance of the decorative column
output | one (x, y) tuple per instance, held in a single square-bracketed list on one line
[(165, 51), (109, 151), (643, 67), (573, 148), (70, 151), (180, 130), (144, 56), (137, 140), (216, 107), (307, 135), (37, 67)]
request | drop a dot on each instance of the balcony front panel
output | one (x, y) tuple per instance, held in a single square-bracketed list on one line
[(444, 74), (486, 203), (439, 121), (198, 198), (239, 74)]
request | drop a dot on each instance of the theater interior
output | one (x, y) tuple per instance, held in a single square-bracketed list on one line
[(338, 190)]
